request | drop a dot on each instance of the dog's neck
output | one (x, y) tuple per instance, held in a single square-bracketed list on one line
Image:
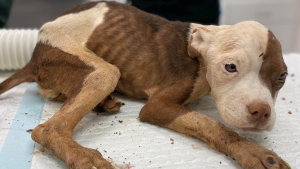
[(201, 86)]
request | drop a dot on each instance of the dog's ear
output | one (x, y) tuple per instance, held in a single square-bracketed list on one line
[(200, 38)]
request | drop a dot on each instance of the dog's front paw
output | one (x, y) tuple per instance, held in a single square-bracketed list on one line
[(252, 156), (85, 158), (109, 104)]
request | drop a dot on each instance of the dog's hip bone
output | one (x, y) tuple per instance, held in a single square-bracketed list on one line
[(16, 47)]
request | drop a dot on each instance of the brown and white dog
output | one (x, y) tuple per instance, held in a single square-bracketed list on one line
[(93, 49)]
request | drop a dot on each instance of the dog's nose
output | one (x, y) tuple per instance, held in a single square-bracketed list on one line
[(259, 111)]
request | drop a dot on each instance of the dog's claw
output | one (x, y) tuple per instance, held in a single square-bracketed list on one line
[(94, 167), (120, 103)]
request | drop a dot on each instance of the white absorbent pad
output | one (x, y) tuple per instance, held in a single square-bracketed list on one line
[(128, 143)]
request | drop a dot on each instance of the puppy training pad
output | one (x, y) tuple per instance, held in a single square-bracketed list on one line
[(128, 143)]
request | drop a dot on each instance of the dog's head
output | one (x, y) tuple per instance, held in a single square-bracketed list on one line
[(245, 70)]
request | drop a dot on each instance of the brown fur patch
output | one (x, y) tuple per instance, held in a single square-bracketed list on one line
[(161, 112), (273, 65), (57, 70), (150, 46)]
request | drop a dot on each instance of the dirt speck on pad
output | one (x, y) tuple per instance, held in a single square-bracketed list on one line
[(290, 112), (283, 98), (120, 121), (171, 139)]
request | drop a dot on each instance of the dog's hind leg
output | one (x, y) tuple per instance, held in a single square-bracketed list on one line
[(84, 92)]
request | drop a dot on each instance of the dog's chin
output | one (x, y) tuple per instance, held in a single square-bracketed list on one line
[(238, 124), (254, 130), (247, 128)]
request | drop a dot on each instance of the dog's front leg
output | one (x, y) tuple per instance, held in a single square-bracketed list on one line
[(176, 117)]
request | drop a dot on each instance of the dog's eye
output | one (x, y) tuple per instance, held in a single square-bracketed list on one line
[(230, 67), (282, 77)]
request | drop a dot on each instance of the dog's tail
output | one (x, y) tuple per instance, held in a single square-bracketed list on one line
[(26, 74)]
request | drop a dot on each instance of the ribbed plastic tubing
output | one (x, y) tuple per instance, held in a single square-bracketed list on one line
[(16, 47)]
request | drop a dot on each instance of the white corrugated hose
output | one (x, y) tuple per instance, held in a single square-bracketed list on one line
[(16, 47)]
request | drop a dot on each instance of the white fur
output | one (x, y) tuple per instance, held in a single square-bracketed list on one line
[(70, 32)]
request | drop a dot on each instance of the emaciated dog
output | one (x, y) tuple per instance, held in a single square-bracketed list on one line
[(93, 49)]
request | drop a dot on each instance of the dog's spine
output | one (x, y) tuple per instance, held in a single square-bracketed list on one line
[(26, 74)]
